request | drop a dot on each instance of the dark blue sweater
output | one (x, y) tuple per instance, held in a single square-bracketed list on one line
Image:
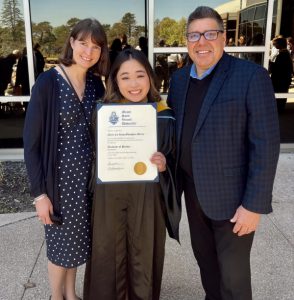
[(40, 135)]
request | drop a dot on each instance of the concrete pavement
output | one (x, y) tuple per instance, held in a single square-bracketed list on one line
[(23, 258)]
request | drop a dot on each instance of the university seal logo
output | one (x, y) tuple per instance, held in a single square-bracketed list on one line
[(113, 119)]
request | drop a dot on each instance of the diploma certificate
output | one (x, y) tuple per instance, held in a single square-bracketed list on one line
[(126, 140)]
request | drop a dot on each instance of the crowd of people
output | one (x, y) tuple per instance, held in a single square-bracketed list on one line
[(14, 78), (218, 145), (281, 61)]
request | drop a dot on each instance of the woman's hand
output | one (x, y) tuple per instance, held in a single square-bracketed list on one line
[(44, 208), (159, 160)]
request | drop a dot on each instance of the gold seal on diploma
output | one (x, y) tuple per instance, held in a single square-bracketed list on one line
[(140, 168)]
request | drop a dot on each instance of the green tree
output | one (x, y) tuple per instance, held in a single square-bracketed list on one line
[(2, 32), (106, 27), (12, 32), (167, 28), (41, 31), (181, 31), (129, 21), (59, 36), (72, 22), (139, 31), (116, 31), (43, 34), (61, 33), (157, 36), (11, 18), (170, 30)]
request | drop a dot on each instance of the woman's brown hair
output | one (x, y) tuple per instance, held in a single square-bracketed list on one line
[(83, 29), (112, 90)]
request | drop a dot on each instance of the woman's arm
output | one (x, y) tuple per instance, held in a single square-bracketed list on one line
[(32, 137)]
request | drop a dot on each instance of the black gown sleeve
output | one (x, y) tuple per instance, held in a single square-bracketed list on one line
[(166, 145), (99, 93)]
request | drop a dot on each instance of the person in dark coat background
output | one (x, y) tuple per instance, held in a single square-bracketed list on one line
[(22, 85), (39, 60), (281, 71), (6, 65), (115, 49), (143, 44)]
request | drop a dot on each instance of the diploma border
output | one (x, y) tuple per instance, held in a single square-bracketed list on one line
[(98, 107)]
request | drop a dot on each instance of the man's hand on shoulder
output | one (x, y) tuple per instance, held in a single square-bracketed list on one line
[(245, 221)]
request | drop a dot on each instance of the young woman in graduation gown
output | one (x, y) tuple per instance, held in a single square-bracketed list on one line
[(129, 220)]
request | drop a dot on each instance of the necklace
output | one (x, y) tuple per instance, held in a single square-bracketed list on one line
[(80, 89), (78, 86)]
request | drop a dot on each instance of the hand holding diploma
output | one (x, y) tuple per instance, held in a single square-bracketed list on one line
[(159, 160)]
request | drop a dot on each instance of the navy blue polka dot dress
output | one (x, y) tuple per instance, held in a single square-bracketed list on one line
[(69, 245)]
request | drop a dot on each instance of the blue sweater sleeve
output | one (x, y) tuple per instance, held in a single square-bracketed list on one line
[(32, 136)]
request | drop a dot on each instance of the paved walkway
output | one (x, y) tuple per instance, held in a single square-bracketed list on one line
[(23, 261)]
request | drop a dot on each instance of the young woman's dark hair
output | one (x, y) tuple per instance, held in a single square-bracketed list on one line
[(83, 29), (112, 91)]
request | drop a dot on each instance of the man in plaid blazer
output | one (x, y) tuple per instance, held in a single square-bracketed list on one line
[(228, 147)]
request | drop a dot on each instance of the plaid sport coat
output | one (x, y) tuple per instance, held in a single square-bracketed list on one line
[(235, 146)]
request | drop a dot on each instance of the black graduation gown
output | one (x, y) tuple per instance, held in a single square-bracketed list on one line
[(129, 222)]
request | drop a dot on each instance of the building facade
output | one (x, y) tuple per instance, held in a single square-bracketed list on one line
[(32, 33)]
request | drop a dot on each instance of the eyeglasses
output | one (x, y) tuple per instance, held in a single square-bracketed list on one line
[(209, 35)]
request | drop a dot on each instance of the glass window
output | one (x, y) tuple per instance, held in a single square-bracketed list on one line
[(239, 19), (280, 65), (256, 57), (50, 27), (171, 16), (161, 72), (250, 14), (249, 31), (13, 57), (51, 22), (244, 16), (281, 28), (245, 23), (231, 33), (11, 125), (275, 7), (14, 78), (242, 35), (253, 32), (260, 12), (274, 25), (164, 65)]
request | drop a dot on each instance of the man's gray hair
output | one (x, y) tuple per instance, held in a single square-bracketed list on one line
[(202, 12)]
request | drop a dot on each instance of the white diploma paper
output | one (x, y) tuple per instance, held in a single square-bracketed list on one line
[(126, 140)]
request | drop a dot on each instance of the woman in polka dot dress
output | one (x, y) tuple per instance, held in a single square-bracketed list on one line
[(58, 151)]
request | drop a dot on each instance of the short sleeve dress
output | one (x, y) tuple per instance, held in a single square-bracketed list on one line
[(69, 245)]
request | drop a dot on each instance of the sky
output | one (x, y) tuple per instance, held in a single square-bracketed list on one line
[(105, 11), (176, 9), (57, 12)]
